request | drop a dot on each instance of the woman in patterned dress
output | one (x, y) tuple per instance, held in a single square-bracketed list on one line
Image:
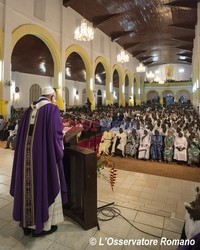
[(169, 147), (132, 144)]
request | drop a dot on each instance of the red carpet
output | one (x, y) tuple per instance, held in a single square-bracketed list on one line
[(89, 143)]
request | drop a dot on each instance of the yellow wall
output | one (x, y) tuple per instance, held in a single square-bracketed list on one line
[(3, 103)]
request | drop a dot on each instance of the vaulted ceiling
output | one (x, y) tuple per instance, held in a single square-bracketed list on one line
[(153, 31), (31, 55)]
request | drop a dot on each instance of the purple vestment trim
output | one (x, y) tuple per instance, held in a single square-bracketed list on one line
[(46, 154)]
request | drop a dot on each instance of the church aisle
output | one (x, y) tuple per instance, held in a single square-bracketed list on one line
[(148, 201)]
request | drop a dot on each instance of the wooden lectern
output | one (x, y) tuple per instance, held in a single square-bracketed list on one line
[(80, 166)]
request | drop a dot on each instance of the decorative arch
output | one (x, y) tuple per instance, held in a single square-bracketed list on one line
[(151, 94), (131, 86), (86, 59), (99, 92), (121, 83), (105, 63), (167, 91), (183, 93), (46, 37)]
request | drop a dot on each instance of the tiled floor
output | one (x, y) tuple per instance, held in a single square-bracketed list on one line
[(151, 203)]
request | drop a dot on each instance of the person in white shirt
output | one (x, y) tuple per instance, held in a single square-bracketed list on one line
[(180, 148), (105, 142), (12, 136), (144, 148)]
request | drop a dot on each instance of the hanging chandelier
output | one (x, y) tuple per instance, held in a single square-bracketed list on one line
[(123, 57), (141, 68), (84, 32), (150, 76)]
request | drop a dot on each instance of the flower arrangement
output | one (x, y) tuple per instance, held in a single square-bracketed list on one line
[(103, 162)]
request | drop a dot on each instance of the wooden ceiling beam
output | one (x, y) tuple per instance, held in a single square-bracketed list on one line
[(98, 22), (182, 4), (186, 61), (148, 63), (184, 39), (144, 58), (117, 37), (130, 45), (186, 26), (137, 53), (189, 48), (66, 3), (187, 54)]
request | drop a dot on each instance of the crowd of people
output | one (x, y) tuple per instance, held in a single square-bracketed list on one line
[(147, 132), (8, 129)]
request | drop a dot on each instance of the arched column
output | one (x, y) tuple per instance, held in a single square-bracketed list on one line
[(86, 59), (131, 88), (3, 103), (121, 84), (102, 60), (138, 89), (46, 37)]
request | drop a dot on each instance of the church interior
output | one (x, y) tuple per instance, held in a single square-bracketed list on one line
[(126, 76)]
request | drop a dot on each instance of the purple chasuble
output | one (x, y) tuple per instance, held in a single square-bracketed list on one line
[(196, 238), (38, 174)]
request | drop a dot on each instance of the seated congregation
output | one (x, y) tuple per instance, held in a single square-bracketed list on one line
[(147, 132)]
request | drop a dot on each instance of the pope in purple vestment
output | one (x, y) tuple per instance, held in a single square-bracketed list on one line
[(38, 174)]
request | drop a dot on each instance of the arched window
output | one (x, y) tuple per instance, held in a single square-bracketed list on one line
[(99, 92), (35, 93), (84, 97)]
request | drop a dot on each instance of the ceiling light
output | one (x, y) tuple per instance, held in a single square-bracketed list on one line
[(42, 67), (123, 57), (157, 79), (150, 76), (181, 70), (84, 73), (67, 71), (140, 68), (98, 78), (84, 32), (161, 82), (182, 57), (155, 59)]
